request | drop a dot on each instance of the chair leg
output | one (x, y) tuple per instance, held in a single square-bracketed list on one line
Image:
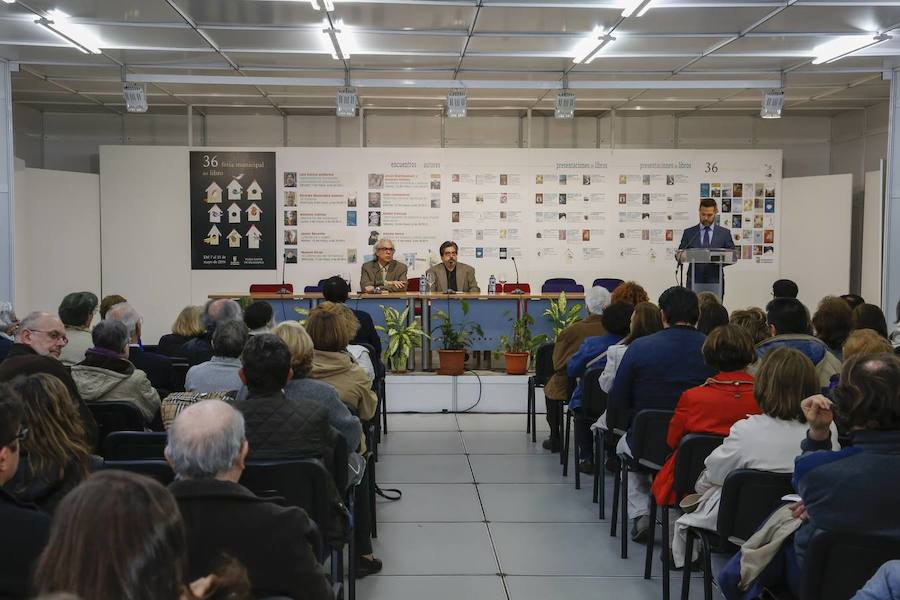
[(617, 484), (651, 539), (666, 550), (372, 505), (564, 455), (597, 472), (351, 550), (529, 404), (576, 452), (561, 426), (688, 559), (384, 410), (623, 500), (707, 570)]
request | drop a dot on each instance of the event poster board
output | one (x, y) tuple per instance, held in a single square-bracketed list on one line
[(233, 210)]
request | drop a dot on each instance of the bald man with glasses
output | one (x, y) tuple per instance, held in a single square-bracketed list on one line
[(383, 274)]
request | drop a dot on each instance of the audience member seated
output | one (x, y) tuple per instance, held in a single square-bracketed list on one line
[(654, 372), (895, 334), (8, 325), (789, 325), (220, 373), (332, 364), (712, 408), (76, 311), (157, 367), (258, 317), (853, 300), (302, 388), (120, 535), (569, 340), (753, 321), (107, 375), (869, 316), (186, 327), (884, 584), (207, 449), (108, 302), (784, 288), (56, 455), (335, 289), (707, 298), (767, 441), (852, 490), (39, 339), (25, 528), (832, 323), (629, 292), (199, 349), (645, 320), (712, 315)]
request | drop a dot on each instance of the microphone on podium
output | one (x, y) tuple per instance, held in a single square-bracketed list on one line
[(517, 290)]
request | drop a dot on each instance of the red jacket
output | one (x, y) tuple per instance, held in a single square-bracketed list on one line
[(710, 408)]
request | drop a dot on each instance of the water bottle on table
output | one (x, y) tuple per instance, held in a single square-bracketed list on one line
[(423, 284), (492, 285)]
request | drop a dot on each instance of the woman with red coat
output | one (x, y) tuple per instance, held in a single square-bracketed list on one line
[(716, 405)]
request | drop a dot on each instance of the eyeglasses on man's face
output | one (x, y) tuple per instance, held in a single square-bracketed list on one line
[(52, 334), (385, 249)]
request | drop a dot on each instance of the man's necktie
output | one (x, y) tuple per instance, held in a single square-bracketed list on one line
[(706, 237)]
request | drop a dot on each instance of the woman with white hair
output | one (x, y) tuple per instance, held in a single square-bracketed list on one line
[(8, 324)]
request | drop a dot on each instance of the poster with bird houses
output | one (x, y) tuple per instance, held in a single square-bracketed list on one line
[(233, 210)]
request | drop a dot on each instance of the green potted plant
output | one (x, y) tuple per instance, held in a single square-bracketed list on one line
[(520, 346), (561, 315), (403, 335), (455, 338)]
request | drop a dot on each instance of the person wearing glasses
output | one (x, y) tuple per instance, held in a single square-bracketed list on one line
[(452, 275), (40, 338), (25, 528), (383, 274)]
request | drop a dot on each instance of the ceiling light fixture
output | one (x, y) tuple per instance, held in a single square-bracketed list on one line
[(10, 1), (338, 38), (328, 5), (637, 8), (135, 97), (456, 103), (588, 48), (772, 104), (565, 105), (79, 36), (845, 45), (347, 101)]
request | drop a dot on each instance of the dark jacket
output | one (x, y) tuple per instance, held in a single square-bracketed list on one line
[(157, 367), (47, 492), (591, 348), (272, 541), (567, 343), (367, 333), (22, 360), (657, 368), (171, 343), (199, 349), (25, 532), (5, 345)]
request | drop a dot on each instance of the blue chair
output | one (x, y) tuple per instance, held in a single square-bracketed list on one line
[(610, 283), (561, 284)]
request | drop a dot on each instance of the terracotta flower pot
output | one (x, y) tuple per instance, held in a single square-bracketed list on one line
[(516, 363), (452, 362)]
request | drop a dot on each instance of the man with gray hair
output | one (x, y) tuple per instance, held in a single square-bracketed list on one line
[(199, 349), (207, 450), (383, 273), (8, 324), (557, 391), (106, 374), (220, 373), (157, 367)]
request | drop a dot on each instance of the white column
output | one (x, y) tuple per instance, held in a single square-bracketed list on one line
[(891, 245), (7, 176)]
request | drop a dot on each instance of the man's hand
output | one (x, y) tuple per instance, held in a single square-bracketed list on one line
[(817, 410), (798, 511), (395, 285)]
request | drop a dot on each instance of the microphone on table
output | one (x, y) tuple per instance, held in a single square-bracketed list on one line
[(283, 289), (518, 290)]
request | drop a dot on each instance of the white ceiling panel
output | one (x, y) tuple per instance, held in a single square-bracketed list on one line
[(836, 19), (138, 11)]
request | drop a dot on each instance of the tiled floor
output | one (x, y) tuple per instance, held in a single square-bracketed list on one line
[(487, 515)]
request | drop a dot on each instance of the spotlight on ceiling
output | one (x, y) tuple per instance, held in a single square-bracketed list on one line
[(565, 105), (588, 48), (135, 97), (456, 103), (346, 102), (636, 7), (845, 45), (772, 103)]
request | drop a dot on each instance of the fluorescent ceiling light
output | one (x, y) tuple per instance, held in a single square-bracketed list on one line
[(588, 48), (10, 1), (81, 37), (328, 5), (565, 105), (456, 103), (845, 45), (772, 103), (338, 39), (636, 8)]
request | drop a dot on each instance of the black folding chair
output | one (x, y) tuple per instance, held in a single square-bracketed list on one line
[(543, 370), (650, 451), (134, 445), (592, 401), (748, 498), (837, 565), (115, 416), (155, 469), (689, 463)]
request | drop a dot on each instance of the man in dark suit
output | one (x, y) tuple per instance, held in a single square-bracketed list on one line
[(157, 367), (705, 234), (335, 289)]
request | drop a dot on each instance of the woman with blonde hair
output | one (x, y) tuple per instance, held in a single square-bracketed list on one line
[(187, 326), (56, 455)]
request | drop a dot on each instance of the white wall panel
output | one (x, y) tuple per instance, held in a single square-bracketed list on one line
[(403, 131), (483, 132), (330, 131), (873, 232), (244, 130), (655, 131), (162, 130), (715, 132), (550, 132), (28, 135), (72, 142)]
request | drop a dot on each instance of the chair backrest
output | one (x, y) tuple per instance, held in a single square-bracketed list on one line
[(180, 367), (312, 289), (116, 416), (649, 431), (509, 288), (155, 469), (594, 399), (561, 284), (610, 283), (271, 288), (837, 565), (692, 452), (543, 364), (134, 445), (412, 284), (748, 497)]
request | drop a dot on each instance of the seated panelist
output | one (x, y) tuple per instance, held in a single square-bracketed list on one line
[(383, 274), (452, 275)]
